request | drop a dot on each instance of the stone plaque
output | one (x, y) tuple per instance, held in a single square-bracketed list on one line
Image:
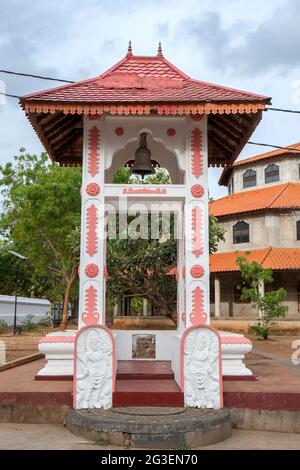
[(143, 346)]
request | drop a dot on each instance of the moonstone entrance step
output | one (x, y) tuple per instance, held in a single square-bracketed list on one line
[(156, 428), (147, 393), (141, 370)]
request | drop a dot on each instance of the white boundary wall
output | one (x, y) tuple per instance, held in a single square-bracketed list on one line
[(26, 306)]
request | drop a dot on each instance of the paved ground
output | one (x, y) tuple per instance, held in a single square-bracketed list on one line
[(52, 437)]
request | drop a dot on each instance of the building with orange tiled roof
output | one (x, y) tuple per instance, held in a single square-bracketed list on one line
[(258, 171), (261, 219)]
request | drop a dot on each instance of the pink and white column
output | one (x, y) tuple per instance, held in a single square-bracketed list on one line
[(92, 261), (196, 235)]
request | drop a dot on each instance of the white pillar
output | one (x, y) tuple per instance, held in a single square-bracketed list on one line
[(145, 307), (116, 309), (217, 296), (2, 352), (196, 226), (92, 283)]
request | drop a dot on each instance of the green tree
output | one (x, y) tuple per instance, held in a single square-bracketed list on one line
[(41, 219), (216, 234), (29, 283), (124, 176), (140, 267), (268, 305), (41, 216)]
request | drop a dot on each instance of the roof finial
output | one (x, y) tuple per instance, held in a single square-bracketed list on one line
[(159, 50), (129, 50)]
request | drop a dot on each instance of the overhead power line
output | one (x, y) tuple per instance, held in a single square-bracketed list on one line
[(10, 96), (274, 146), (41, 77), (70, 81), (294, 111)]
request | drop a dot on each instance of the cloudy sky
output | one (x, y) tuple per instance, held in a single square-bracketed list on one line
[(248, 45)]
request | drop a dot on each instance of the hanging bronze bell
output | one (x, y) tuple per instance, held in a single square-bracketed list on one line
[(142, 162)]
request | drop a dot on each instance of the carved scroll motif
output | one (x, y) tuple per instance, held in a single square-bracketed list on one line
[(91, 235), (90, 315), (93, 162), (197, 155), (197, 227), (198, 315)]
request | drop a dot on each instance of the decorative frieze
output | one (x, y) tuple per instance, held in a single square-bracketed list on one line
[(144, 191)]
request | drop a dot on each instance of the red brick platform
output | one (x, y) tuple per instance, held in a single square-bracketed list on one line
[(277, 387)]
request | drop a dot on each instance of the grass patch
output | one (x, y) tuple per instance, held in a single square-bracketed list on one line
[(102, 443), (183, 446)]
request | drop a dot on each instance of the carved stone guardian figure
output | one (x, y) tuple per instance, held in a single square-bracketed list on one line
[(94, 368), (202, 374)]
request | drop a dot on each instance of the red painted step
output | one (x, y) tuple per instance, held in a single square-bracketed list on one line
[(147, 393), (144, 370)]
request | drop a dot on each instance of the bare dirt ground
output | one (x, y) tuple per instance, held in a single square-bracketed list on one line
[(278, 345), (27, 343), (24, 344)]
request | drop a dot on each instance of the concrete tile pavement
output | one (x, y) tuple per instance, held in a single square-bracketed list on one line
[(56, 437)]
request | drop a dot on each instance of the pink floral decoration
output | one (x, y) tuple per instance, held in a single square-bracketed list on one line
[(92, 270), (93, 189), (197, 190)]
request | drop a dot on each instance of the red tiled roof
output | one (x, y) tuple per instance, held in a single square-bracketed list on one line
[(142, 86), (144, 79), (286, 151), (273, 258), (280, 196)]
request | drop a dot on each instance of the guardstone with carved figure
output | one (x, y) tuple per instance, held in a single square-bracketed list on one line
[(94, 369)]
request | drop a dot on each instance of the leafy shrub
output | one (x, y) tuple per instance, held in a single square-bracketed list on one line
[(3, 326), (260, 330), (268, 305), (47, 320), (28, 324)]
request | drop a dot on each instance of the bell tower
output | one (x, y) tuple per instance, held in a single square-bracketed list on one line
[(144, 109)]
